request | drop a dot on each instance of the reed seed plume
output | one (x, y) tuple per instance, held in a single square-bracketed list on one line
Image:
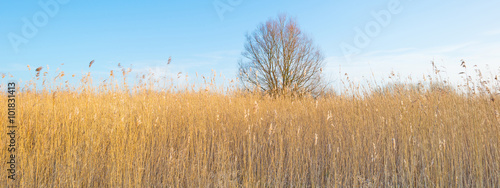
[(91, 62), (38, 71)]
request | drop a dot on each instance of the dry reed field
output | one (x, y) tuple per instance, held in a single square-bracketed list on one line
[(107, 136)]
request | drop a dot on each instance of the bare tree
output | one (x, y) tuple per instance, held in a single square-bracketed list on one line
[(281, 60)]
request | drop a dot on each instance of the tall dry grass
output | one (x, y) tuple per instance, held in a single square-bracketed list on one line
[(107, 137)]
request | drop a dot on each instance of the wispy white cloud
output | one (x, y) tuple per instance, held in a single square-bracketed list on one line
[(450, 48), (378, 52), (492, 32), (417, 62), (190, 70)]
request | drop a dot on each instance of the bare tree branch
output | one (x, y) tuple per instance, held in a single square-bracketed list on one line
[(281, 60)]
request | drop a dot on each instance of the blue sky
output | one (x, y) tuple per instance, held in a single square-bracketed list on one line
[(201, 38)]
